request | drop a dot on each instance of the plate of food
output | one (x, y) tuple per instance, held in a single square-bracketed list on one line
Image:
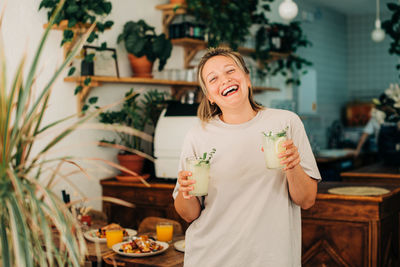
[(180, 245), (99, 235), (141, 246)]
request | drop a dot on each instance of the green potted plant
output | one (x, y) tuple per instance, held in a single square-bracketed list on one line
[(75, 17), (391, 27), (282, 38), (227, 21), (80, 13), (31, 213), (138, 113), (144, 46), (37, 227)]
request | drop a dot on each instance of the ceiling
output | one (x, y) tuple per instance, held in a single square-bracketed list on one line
[(353, 7)]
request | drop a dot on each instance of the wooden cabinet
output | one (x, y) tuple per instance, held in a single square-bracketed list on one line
[(155, 200), (356, 231)]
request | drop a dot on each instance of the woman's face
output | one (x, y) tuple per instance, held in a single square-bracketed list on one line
[(227, 85)]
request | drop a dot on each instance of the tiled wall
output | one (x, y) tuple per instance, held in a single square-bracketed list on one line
[(327, 32), (370, 66), (349, 65)]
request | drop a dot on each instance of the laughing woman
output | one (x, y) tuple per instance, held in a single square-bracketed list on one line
[(251, 215)]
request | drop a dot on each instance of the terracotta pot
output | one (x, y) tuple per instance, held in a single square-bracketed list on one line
[(141, 66), (177, 2), (131, 162)]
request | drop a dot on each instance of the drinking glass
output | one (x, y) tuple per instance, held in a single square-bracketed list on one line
[(200, 170), (165, 231), (113, 237), (272, 144)]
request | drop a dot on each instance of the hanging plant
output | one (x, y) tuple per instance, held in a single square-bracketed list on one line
[(282, 38), (392, 28), (79, 13), (227, 21)]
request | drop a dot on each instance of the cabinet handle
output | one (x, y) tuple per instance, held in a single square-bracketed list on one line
[(151, 199)]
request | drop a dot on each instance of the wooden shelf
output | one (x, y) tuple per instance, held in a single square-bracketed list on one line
[(192, 46), (79, 27), (178, 87), (169, 11)]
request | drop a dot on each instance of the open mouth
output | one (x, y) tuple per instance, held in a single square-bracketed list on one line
[(230, 90)]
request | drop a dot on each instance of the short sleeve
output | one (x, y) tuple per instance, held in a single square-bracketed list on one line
[(300, 139), (369, 128)]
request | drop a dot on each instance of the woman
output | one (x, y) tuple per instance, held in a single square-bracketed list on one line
[(251, 215)]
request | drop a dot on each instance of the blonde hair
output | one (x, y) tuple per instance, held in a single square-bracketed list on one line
[(207, 110)]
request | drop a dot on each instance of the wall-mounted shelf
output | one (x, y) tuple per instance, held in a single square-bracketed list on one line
[(192, 46), (79, 29), (178, 87), (169, 11)]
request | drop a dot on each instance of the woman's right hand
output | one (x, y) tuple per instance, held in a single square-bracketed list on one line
[(186, 184)]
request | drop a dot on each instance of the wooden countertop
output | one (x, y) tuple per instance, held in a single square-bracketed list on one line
[(323, 193), (377, 170)]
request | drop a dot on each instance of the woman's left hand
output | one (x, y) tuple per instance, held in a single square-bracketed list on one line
[(291, 157)]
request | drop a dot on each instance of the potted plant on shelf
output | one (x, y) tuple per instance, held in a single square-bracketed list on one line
[(286, 39), (227, 21), (79, 14), (144, 46), (140, 114), (75, 17)]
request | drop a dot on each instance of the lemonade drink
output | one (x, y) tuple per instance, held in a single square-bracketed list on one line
[(273, 146), (164, 231), (200, 172)]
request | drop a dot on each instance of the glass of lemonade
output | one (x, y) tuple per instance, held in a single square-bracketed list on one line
[(272, 144), (200, 170)]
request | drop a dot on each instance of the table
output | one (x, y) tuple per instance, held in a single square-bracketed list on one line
[(356, 231), (374, 173), (170, 258)]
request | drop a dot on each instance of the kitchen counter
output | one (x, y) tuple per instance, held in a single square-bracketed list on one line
[(351, 230), (374, 173)]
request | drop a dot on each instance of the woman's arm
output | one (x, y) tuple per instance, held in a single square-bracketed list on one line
[(187, 206), (360, 144), (302, 188)]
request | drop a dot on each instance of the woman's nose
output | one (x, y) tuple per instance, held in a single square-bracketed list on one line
[(226, 80)]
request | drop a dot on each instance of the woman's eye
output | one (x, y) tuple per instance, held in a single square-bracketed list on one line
[(212, 79), (231, 70)]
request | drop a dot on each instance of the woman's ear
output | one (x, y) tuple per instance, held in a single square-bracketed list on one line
[(248, 80)]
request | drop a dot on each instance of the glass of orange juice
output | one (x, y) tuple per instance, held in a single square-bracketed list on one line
[(165, 231), (113, 237)]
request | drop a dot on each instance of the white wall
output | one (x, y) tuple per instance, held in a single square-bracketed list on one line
[(22, 29)]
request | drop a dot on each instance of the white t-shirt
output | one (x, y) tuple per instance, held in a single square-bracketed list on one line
[(372, 127), (248, 217)]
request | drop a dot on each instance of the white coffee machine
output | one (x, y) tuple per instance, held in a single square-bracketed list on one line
[(171, 129)]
